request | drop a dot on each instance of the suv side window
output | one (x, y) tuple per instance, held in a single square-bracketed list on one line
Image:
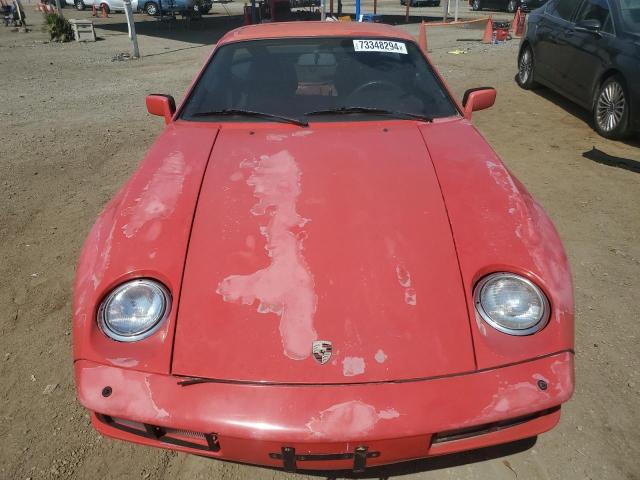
[(563, 8), (596, 10)]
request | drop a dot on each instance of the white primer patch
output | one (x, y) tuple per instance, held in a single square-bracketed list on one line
[(124, 362), (100, 258), (410, 296), (274, 137), (160, 412), (404, 279), (159, 196), (502, 178), (517, 398), (302, 133), (352, 366), (353, 418), (388, 414), (380, 356)]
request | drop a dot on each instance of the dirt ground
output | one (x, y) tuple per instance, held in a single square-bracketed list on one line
[(74, 127)]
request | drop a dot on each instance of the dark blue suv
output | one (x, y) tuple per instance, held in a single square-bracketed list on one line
[(589, 52)]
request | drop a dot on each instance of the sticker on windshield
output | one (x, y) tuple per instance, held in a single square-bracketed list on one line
[(379, 46)]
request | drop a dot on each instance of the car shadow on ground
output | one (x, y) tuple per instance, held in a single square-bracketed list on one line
[(603, 158), (437, 463), (577, 111), (428, 464)]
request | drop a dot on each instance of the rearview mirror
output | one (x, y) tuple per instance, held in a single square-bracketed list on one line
[(161, 105), (478, 99), (590, 25)]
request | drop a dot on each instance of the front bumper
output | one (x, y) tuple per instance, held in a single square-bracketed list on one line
[(330, 426)]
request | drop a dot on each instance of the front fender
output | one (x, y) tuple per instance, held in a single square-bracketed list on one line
[(142, 232), (498, 226)]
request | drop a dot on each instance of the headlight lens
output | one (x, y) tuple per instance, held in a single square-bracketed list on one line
[(511, 304), (134, 310)]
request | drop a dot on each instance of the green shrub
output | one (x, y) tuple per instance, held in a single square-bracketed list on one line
[(59, 27)]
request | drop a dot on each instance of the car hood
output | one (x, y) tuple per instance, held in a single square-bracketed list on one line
[(333, 234)]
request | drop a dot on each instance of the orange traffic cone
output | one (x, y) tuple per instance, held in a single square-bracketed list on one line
[(488, 32), (94, 11), (422, 37), (103, 7), (516, 20), (522, 21)]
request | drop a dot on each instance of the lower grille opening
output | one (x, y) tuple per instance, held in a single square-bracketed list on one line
[(173, 436), (487, 427), (289, 457)]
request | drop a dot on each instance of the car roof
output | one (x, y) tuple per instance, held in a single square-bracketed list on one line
[(314, 29)]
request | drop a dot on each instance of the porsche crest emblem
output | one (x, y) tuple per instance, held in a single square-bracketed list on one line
[(321, 351)]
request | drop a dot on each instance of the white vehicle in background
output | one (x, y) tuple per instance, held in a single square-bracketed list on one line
[(111, 5), (154, 7), (151, 7)]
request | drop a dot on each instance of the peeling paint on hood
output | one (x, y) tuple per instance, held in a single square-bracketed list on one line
[(338, 235), (285, 287)]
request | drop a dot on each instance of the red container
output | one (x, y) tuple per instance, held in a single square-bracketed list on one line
[(501, 34)]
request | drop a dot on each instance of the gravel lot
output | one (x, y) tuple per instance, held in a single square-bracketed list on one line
[(74, 126)]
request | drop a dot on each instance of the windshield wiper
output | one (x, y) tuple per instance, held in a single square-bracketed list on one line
[(370, 110), (250, 113)]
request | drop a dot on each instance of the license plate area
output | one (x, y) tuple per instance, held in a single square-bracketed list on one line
[(290, 459)]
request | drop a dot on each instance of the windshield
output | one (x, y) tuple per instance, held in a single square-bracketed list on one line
[(294, 77)]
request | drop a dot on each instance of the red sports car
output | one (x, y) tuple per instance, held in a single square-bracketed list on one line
[(321, 264)]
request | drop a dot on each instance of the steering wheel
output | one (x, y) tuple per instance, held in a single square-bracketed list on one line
[(375, 84)]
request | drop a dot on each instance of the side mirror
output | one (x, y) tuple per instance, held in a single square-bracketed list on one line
[(161, 105), (478, 99), (590, 25)]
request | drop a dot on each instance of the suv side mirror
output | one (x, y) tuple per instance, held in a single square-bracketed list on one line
[(590, 25), (161, 105), (478, 99)]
